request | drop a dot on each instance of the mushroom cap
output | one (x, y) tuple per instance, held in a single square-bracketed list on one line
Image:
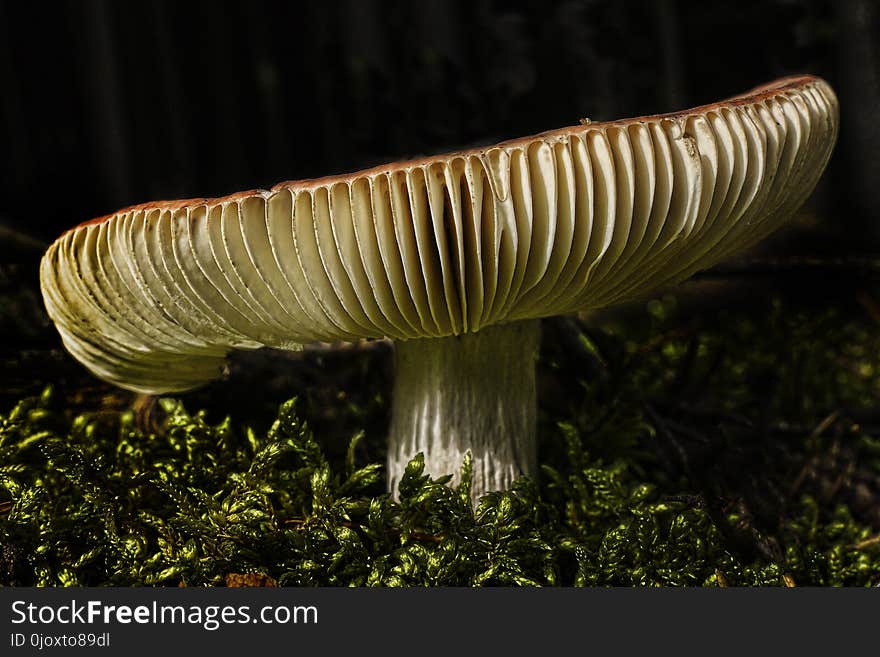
[(154, 296)]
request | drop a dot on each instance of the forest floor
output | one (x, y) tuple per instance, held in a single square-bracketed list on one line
[(726, 434)]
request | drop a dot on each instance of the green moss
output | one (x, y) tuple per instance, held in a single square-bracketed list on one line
[(681, 454)]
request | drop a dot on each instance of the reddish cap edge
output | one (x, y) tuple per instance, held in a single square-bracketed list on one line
[(757, 94)]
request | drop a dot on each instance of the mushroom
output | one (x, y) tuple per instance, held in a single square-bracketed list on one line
[(455, 257)]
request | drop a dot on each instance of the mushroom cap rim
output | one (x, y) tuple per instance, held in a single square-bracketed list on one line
[(754, 95)]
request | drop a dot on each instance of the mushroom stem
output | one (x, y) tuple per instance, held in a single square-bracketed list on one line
[(473, 392)]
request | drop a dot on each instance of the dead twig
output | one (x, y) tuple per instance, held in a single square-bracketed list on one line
[(867, 543), (810, 465), (743, 538)]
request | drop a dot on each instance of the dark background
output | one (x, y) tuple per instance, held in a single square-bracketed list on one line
[(104, 104)]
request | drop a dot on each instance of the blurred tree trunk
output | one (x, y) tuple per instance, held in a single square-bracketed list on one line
[(667, 23), (860, 133), (106, 101)]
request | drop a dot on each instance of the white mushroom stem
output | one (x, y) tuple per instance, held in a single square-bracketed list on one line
[(473, 392)]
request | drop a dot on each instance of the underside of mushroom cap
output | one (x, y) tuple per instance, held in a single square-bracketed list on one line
[(153, 297)]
